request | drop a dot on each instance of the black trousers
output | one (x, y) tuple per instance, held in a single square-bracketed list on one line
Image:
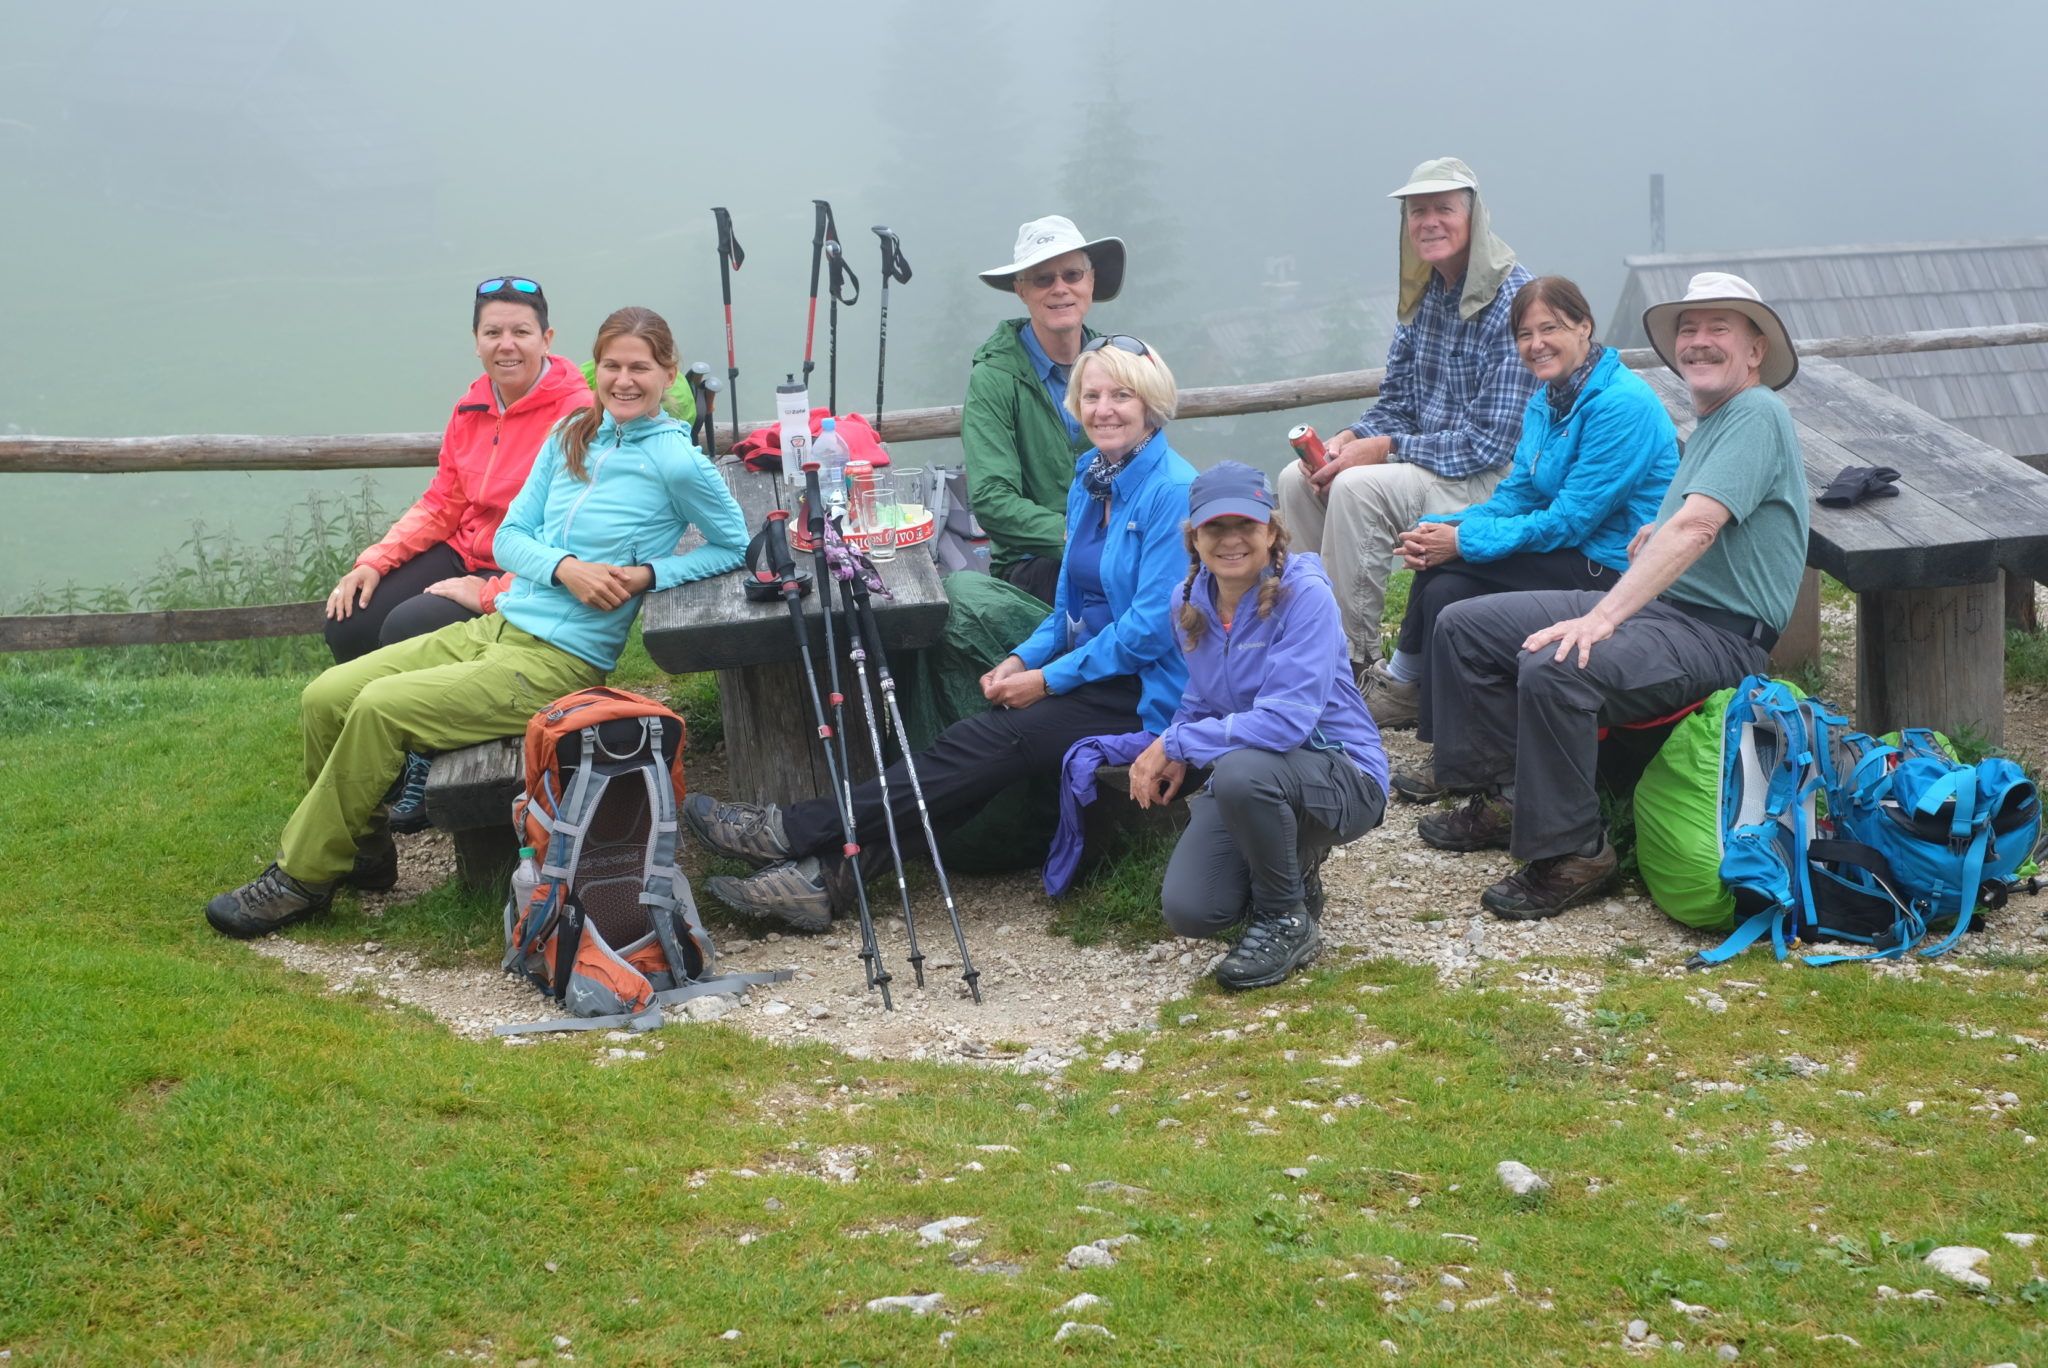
[(1038, 576), (401, 609), (1440, 586), (971, 762)]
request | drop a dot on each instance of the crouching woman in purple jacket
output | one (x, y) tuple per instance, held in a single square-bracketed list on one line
[(1294, 760)]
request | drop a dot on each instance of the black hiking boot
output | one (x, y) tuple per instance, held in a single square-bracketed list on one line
[(409, 796), (1312, 886), (795, 894), (1546, 887), (376, 866), (1484, 823), (269, 902), (739, 831), (1275, 944)]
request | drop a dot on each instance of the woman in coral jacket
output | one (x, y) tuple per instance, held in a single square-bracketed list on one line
[(488, 447), (593, 530)]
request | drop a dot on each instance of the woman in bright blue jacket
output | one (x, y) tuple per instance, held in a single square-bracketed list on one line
[(1271, 712), (1597, 452), (592, 530), (1104, 662)]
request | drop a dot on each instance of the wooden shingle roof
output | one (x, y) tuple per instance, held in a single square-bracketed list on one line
[(1997, 394)]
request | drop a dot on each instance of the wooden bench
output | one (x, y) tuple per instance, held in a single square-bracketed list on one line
[(469, 796), (1925, 566)]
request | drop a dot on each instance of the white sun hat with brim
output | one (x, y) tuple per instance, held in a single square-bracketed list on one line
[(1043, 239), (1719, 290)]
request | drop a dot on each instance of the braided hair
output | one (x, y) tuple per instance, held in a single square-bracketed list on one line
[(1193, 623)]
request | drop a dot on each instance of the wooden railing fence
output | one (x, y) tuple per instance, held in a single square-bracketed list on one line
[(121, 455)]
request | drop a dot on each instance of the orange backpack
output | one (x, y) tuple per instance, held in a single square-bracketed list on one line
[(609, 930)]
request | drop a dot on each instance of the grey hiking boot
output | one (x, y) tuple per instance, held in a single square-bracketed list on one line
[(409, 796), (1275, 944), (1394, 704), (739, 831), (376, 866), (269, 902), (1546, 887), (795, 893), (1485, 823)]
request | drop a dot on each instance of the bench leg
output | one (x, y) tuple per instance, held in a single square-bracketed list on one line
[(771, 735), (484, 856), (1799, 644), (1932, 658)]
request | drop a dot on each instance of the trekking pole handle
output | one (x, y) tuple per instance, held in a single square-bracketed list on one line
[(729, 248), (780, 560), (895, 266)]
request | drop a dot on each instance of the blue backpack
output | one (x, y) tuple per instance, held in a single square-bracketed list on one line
[(1829, 834)]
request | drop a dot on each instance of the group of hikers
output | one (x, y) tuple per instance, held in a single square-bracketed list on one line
[(1573, 571)]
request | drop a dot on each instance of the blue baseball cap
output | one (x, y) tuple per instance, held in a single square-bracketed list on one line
[(1229, 489)]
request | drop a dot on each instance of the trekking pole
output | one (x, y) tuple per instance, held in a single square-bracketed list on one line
[(822, 216), (849, 563), (896, 268), (731, 256), (783, 564), (840, 276), (861, 599)]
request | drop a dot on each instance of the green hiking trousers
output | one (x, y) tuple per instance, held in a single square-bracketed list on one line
[(469, 682)]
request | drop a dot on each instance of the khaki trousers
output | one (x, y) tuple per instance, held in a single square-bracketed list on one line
[(1355, 531), (469, 682)]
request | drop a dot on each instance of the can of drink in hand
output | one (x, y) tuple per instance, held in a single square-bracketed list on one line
[(1308, 446)]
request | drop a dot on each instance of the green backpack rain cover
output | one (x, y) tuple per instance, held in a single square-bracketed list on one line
[(1678, 821)]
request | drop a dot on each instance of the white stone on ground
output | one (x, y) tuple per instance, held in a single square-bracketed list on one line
[(915, 1305), (1076, 1330), (937, 1231), (1519, 1178), (1082, 1302), (1960, 1263)]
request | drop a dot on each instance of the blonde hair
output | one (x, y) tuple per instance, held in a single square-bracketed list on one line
[(579, 427), (1192, 623), (1145, 376)]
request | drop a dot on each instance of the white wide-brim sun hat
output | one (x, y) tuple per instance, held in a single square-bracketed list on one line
[(1043, 239), (1719, 290)]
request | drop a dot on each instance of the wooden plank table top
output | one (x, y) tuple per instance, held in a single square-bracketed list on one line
[(712, 625), (1965, 510)]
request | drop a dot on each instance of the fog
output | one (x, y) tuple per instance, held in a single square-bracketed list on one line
[(270, 217)]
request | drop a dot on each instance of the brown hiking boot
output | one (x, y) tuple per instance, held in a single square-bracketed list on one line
[(1394, 704), (1546, 887), (1484, 823)]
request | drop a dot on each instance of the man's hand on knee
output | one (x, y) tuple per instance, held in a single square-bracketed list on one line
[(1578, 634)]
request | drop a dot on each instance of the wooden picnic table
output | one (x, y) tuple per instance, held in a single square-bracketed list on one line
[(1925, 566), (772, 747)]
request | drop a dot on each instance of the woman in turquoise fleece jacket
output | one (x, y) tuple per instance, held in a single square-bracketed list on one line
[(592, 530), (1596, 454), (1104, 663)]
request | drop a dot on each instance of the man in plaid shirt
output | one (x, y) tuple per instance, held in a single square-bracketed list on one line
[(1450, 409)]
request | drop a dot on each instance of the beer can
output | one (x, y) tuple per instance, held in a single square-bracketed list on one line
[(1308, 446)]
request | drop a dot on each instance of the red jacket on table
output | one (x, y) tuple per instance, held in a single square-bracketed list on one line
[(485, 456)]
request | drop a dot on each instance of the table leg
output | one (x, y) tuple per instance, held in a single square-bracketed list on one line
[(772, 749), (1932, 658), (1799, 644)]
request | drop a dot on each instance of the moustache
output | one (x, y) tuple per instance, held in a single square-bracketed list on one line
[(1711, 355)]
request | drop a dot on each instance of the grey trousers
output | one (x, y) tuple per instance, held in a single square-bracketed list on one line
[(1505, 715), (1260, 819)]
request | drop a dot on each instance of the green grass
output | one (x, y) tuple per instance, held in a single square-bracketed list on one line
[(208, 1159), (2026, 659), (1117, 899)]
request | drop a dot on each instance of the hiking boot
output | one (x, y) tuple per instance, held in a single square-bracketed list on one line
[(1394, 704), (409, 796), (1312, 886), (1546, 887), (376, 866), (794, 893), (1417, 785), (739, 831), (1484, 823), (269, 902), (1275, 944)]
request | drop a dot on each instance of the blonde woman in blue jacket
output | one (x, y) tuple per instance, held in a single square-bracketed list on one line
[(594, 528)]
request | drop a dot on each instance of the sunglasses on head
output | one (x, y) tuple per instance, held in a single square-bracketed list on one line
[(1122, 342), (497, 283)]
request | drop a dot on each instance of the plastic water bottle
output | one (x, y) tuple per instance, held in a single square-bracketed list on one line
[(793, 416), (525, 878), (829, 451)]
